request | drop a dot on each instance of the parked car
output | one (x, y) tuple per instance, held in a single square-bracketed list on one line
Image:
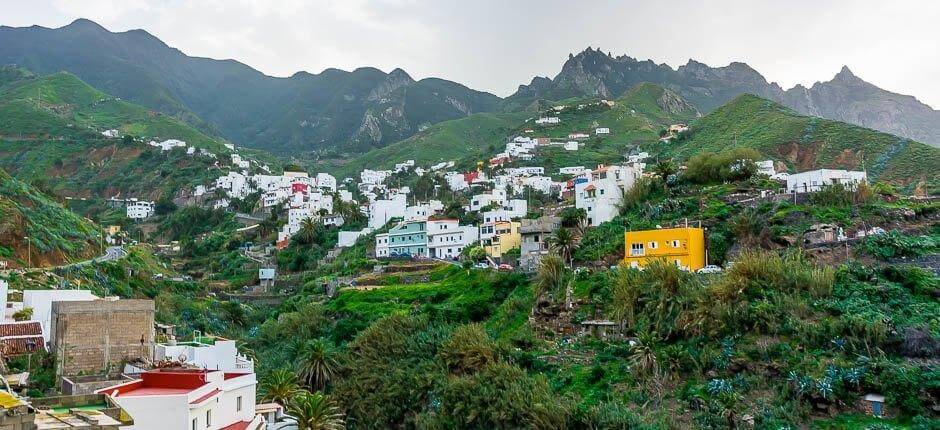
[(504, 268), (481, 266), (711, 268)]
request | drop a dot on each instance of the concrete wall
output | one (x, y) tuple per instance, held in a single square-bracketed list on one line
[(96, 336), (41, 301)]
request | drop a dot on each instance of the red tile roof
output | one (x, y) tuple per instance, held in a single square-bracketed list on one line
[(22, 337), (241, 425), (13, 346), (21, 328)]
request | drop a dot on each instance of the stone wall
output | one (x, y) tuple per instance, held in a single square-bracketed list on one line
[(99, 336)]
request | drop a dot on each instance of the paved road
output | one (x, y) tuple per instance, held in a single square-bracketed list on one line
[(112, 253)]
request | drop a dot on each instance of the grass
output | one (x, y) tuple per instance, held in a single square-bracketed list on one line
[(51, 135), (55, 234), (805, 143)]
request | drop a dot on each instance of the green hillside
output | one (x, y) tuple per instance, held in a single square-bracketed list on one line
[(51, 132), (635, 118), (803, 142), (55, 234), (445, 141)]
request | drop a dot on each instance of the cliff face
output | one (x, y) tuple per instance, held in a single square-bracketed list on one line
[(850, 99), (844, 98)]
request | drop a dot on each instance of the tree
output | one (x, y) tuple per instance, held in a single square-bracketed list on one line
[(308, 231), (279, 386), (664, 169), (564, 243), (316, 364), (550, 276)]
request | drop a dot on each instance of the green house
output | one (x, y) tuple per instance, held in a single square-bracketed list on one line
[(408, 239)]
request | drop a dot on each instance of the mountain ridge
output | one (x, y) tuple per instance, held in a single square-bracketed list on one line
[(335, 110), (845, 97)]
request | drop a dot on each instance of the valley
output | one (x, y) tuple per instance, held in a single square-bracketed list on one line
[(189, 243)]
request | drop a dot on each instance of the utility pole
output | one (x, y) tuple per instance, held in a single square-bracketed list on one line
[(29, 252)]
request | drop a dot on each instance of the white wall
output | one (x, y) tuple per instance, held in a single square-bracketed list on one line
[(41, 302)]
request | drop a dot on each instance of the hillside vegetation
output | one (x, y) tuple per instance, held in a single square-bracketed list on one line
[(804, 143), (635, 118), (51, 133), (31, 222), (444, 141)]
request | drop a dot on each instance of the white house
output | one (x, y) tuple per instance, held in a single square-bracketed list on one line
[(766, 167), (111, 134), (446, 238), (325, 181), (373, 177), (167, 145), (571, 146), (480, 201), (401, 167), (381, 245), (601, 195), (349, 238), (140, 209), (189, 399), (525, 171), (542, 184), (40, 301), (572, 170), (602, 130), (381, 211), (815, 180), (548, 120), (209, 353), (578, 135)]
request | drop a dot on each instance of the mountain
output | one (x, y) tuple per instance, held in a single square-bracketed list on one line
[(33, 224), (803, 142), (634, 118), (844, 98), (445, 141), (334, 111), (51, 133)]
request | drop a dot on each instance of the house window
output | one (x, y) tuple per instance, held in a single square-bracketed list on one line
[(675, 244), (209, 418), (636, 249), (602, 192), (678, 263), (653, 245), (238, 404), (195, 423)]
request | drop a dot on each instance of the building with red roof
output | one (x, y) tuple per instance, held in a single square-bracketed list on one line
[(196, 399)]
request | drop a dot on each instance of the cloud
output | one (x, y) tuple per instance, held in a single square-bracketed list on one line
[(497, 45)]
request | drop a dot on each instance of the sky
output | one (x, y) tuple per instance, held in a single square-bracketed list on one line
[(496, 45)]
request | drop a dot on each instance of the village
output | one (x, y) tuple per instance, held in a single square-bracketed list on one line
[(117, 364)]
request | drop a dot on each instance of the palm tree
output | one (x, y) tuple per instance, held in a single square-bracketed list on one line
[(549, 276), (279, 386), (316, 364), (563, 242), (308, 231), (664, 169), (315, 411)]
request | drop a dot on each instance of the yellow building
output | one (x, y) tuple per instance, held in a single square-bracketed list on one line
[(499, 237), (684, 247)]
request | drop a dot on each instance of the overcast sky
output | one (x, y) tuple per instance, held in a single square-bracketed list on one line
[(495, 45)]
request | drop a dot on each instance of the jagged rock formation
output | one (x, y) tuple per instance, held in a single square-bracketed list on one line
[(845, 98)]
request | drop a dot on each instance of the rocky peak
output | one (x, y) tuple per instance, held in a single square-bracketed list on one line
[(394, 80), (846, 76)]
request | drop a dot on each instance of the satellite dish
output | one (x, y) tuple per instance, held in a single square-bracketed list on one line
[(181, 358)]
